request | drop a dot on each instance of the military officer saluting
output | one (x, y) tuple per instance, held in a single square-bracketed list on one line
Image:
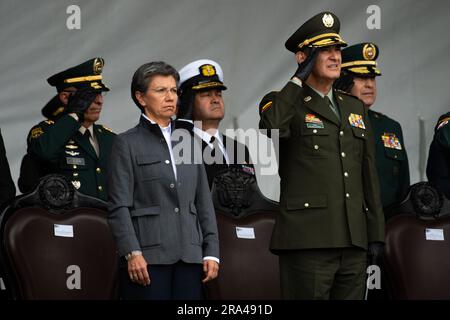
[(358, 77), (330, 208), (73, 145)]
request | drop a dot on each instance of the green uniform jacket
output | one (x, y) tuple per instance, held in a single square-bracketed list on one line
[(69, 153), (329, 185), (391, 158)]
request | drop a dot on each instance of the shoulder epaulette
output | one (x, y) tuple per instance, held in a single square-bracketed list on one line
[(106, 128), (49, 121), (442, 122), (346, 93)]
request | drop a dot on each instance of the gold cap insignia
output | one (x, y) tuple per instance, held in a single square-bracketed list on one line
[(95, 85), (208, 70), (98, 65), (369, 51), (327, 20), (76, 184)]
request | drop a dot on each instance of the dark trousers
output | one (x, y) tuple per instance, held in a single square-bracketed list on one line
[(323, 274), (179, 281)]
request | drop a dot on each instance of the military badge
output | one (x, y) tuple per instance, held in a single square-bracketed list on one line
[(76, 184), (98, 65), (369, 51), (248, 170), (36, 132), (391, 141), (327, 20), (313, 122), (71, 146), (72, 153), (208, 70), (356, 121)]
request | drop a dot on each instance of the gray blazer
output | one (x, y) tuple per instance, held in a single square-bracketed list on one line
[(167, 219)]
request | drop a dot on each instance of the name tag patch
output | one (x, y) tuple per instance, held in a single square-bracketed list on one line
[(77, 161)]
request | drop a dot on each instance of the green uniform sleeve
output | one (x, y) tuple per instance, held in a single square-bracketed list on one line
[(48, 139), (277, 109)]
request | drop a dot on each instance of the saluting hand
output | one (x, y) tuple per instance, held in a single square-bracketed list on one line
[(211, 269), (137, 270)]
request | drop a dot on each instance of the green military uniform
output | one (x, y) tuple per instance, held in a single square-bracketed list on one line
[(59, 146), (70, 153), (329, 202), (391, 159), (438, 164)]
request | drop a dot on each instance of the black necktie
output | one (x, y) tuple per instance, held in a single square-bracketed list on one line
[(215, 143), (87, 135)]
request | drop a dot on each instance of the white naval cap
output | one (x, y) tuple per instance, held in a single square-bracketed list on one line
[(202, 74)]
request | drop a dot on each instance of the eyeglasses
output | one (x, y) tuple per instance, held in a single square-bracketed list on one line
[(161, 91)]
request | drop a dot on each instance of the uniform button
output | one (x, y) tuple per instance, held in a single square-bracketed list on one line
[(316, 147), (176, 210), (100, 188), (306, 204), (75, 174), (345, 174), (98, 170), (341, 133), (343, 154), (172, 185), (395, 156), (347, 195), (362, 134), (167, 161), (315, 131), (74, 166)]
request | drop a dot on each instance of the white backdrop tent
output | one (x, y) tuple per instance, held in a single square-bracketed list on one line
[(245, 36)]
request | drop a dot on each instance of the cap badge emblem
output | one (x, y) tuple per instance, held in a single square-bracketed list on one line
[(369, 51), (207, 70), (327, 20), (98, 65)]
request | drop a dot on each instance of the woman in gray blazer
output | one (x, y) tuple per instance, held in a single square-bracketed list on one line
[(160, 210)]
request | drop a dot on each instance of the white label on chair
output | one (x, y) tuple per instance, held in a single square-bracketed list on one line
[(434, 234), (245, 233), (62, 230)]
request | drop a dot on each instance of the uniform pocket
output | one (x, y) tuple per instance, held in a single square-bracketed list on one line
[(395, 156), (149, 167), (196, 230), (146, 222), (307, 202), (315, 141)]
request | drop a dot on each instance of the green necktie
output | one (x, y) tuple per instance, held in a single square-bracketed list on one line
[(335, 110)]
